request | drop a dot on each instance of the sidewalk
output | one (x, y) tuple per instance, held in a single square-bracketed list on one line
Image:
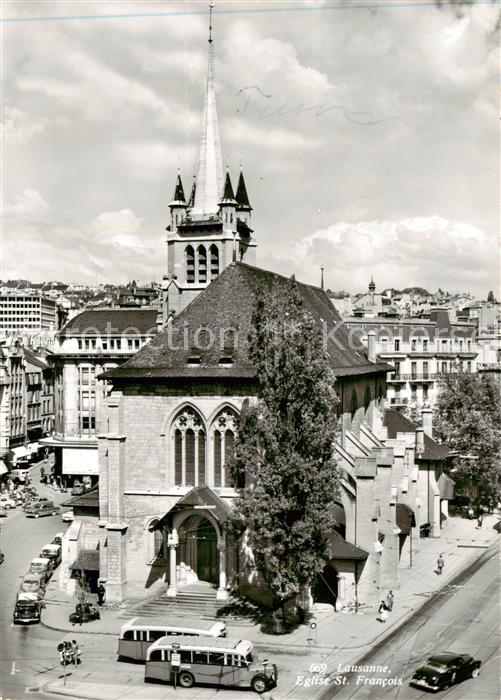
[(343, 635)]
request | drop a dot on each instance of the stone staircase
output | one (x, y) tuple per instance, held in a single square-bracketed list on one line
[(193, 601)]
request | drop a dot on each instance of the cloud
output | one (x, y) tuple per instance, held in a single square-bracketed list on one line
[(399, 253), (18, 127), (119, 227), (28, 206)]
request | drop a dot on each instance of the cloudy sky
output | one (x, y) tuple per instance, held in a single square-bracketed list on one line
[(368, 134)]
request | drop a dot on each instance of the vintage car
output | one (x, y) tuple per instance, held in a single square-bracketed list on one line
[(33, 583), (34, 501), (4, 512), (42, 567), (58, 538), (443, 670), (52, 552), (67, 516), (7, 502), (38, 510), (28, 609)]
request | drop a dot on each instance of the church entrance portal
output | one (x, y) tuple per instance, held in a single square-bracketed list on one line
[(198, 548)]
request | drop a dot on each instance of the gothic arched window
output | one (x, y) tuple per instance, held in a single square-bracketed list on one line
[(367, 398), (353, 403), (202, 264), (224, 433), (188, 434), (189, 255), (214, 261)]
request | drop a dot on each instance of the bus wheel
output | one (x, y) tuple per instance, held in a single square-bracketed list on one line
[(186, 680), (259, 684)]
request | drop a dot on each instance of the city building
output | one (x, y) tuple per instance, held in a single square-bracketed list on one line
[(421, 350), (26, 400), (90, 344), (27, 313), (487, 320)]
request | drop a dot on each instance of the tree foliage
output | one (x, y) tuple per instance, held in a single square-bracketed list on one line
[(285, 446), (468, 419)]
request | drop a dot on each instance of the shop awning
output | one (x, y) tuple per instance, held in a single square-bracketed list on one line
[(87, 560), (20, 452), (3, 467), (341, 549), (446, 487), (199, 498), (405, 518)]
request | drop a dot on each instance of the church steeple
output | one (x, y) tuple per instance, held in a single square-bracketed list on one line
[(210, 162), (241, 196)]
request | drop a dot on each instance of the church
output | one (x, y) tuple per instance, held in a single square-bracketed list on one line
[(172, 414)]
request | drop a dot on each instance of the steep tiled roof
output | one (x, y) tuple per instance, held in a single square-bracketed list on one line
[(341, 549), (228, 303), (112, 322), (398, 423)]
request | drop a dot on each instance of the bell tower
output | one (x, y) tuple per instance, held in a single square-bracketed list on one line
[(212, 229)]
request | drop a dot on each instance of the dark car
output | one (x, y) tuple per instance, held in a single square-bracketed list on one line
[(38, 510), (28, 609), (443, 670)]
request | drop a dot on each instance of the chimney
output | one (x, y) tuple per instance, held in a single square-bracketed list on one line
[(419, 442), (427, 421), (371, 342)]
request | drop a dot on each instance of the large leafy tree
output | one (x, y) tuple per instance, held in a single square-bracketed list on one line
[(285, 446), (468, 419)]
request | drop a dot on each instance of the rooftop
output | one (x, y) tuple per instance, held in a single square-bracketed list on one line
[(112, 322)]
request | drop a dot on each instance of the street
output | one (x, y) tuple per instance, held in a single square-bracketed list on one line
[(464, 618), (27, 652)]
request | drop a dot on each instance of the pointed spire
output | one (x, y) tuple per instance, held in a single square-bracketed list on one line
[(210, 163), (372, 285), (179, 192), (321, 277), (228, 195), (191, 202), (241, 196)]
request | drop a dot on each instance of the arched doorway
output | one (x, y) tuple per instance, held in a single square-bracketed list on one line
[(198, 548)]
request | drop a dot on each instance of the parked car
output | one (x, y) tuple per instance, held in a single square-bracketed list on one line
[(38, 510), (3, 512), (68, 516), (2, 557), (33, 583), (42, 567), (58, 538), (52, 552), (35, 500), (7, 502), (443, 670), (28, 609)]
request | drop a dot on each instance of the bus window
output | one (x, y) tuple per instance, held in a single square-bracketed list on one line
[(216, 658), (156, 634), (185, 656), (156, 655), (200, 657), (234, 659), (129, 634)]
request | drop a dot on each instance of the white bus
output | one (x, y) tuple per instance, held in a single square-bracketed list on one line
[(138, 634), (210, 661)]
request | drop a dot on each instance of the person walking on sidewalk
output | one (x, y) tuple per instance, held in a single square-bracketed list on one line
[(440, 564), (389, 601), (382, 612), (101, 592), (480, 519)]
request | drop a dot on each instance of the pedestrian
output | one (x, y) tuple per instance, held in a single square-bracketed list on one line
[(383, 612), (470, 513), (75, 652), (440, 564), (101, 593), (42, 474), (389, 601), (480, 519)]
